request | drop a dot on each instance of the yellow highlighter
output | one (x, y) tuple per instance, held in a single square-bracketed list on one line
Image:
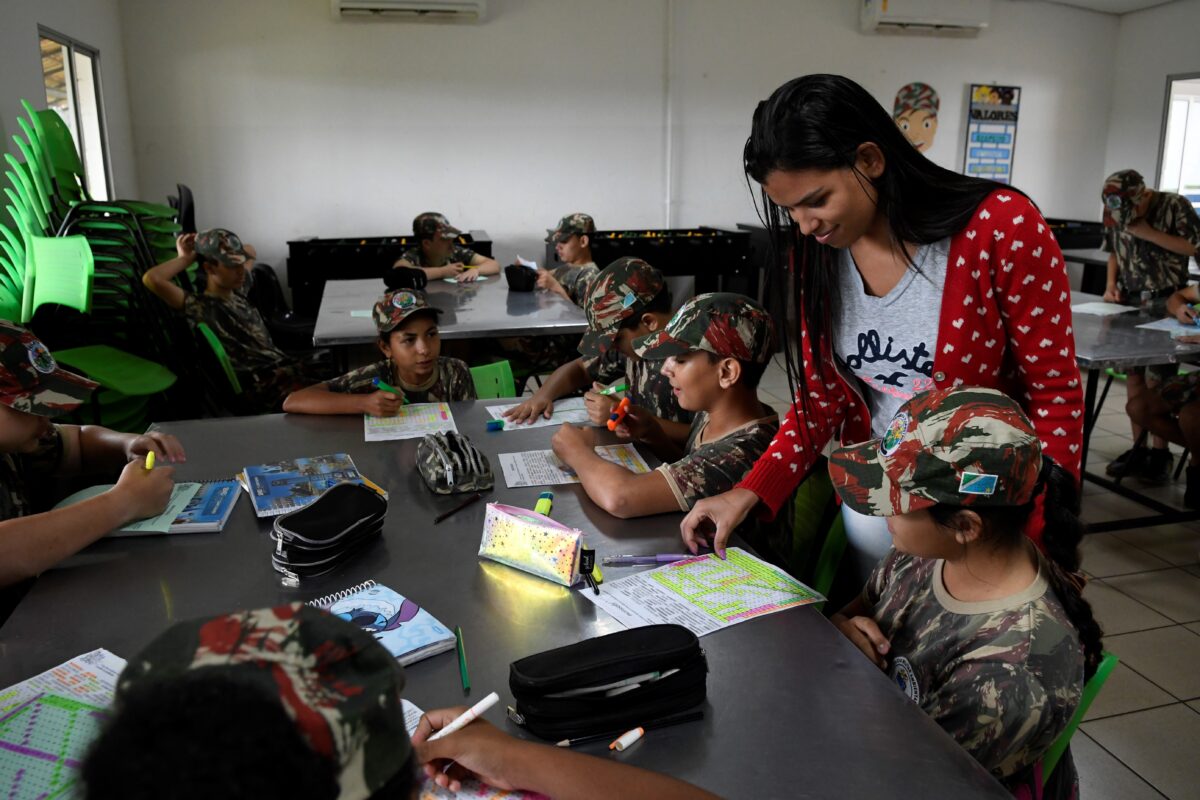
[(150, 460)]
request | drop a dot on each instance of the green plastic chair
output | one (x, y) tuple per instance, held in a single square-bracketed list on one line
[(58, 271), (117, 370), (1092, 688), (222, 357), (830, 558), (494, 380)]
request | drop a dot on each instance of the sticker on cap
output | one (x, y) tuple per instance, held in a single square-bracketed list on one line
[(403, 299), (977, 483), (40, 357), (894, 434), (630, 299), (1114, 201)]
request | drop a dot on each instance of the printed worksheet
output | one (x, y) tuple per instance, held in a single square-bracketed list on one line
[(543, 468), (1173, 327), (48, 722), (570, 410), (1101, 309), (413, 422), (703, 594), (470, 788)]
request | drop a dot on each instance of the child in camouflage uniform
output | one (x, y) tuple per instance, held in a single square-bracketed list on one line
[(293, 702), (572, 244), (627, 300), (412, 363), (713, 352), (265, 372), (1149, 236), (35, 451), (975, 625), (439, 255), (535, 355)]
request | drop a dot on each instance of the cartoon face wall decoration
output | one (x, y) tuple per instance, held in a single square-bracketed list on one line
[(916, 114)]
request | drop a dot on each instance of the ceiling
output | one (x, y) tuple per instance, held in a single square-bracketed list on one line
[(1113, 6)]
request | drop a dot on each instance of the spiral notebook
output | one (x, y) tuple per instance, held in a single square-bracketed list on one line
[(409, 632)]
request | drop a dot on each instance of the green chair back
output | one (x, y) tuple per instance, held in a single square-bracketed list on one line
[(219, 351), (22, 183), (494, 380), (1092, 688), (58, 271), (117, 370), (830, 558), (39, 181)]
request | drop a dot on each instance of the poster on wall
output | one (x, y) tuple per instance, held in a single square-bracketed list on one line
[(991, 131)]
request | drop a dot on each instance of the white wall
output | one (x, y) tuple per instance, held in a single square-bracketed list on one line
[(1151, 45), (287, 124), (93, 22)]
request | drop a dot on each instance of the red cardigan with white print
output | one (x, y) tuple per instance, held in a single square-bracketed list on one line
[(1005, 323)]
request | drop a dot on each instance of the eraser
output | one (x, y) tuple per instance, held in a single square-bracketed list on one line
[(495, 424)]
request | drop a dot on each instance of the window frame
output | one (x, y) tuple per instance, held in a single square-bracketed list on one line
[(1166, 116), (73, 46)]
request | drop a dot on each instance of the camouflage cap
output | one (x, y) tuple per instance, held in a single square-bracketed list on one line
[(431, 225), (395, 307), (725, 324), (31, 380), (571, 225), (339, 685), (1121, 194), (965, 446), (619, 291), (221, 246)]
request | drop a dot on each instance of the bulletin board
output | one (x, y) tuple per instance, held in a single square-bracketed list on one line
[(991, 131)]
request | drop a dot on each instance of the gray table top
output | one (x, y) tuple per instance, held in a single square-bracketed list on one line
[(794, 710), (1116, 341), (469, 311)]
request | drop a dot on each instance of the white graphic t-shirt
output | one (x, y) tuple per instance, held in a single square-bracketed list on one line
[(888, 342)]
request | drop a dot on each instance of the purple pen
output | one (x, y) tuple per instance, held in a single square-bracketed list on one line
[(633, 561)]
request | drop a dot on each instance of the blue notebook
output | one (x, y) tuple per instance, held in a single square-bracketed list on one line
[(288, 485), (209, 508), (409, 632)]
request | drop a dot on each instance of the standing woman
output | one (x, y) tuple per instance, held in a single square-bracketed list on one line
[(907, 277)]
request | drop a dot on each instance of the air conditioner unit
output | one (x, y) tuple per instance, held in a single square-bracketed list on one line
[(409, 10), (925, 17)]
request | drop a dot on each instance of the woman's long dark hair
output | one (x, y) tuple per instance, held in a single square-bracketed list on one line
[(818, 122), (1005, 527)]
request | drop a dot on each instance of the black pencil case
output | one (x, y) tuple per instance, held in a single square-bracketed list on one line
[(561, 694), (313, 540)]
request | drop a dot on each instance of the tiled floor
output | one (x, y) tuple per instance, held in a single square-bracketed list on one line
[(1141, 738)]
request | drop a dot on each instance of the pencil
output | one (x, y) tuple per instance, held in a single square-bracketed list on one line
[(457, 508), (462, 660)]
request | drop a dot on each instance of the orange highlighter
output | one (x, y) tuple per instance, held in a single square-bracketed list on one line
[(618, 414)]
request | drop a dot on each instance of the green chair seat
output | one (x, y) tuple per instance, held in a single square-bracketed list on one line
[(118, 370)]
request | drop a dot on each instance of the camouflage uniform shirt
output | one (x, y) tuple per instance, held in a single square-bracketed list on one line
[(575, 280), (451, 381), (17, 470), (1143, 265), (648, 387), (460, 254), (713, 467), (1002, 677), (239, 326)]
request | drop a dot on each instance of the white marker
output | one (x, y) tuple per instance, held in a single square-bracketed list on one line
[(468, 716), (626, 739)]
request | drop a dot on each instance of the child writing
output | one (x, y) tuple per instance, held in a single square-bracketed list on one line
[(412, 366), (985, 633), (34, 450), (439, 255), (627, 300), (713, 352)]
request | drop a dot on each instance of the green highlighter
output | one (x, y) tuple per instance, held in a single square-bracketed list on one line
[(378, 384)]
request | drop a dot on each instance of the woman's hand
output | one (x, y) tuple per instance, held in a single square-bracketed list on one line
[(713, 520)]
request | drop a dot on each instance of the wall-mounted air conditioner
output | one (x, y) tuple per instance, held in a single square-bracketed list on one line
[(409, 10), (925, 17)]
